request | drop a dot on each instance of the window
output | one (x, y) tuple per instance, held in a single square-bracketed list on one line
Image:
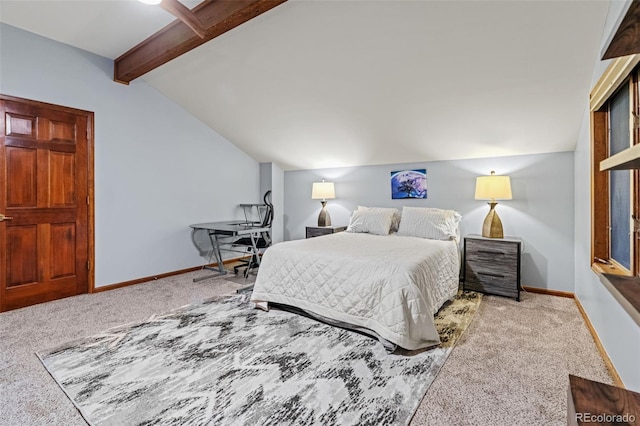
[(615, 193), (619, 132)]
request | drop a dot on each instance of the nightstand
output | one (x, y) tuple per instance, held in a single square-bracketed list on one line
[(316, 231), (492, 265)]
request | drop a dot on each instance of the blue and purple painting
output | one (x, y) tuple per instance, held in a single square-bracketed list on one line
[(409, 184)]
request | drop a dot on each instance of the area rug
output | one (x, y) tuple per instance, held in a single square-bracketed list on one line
[(223, 362)]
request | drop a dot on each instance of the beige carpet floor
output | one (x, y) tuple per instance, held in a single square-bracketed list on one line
[(510, 367)]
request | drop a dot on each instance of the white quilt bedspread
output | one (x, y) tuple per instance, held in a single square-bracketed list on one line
[(392, 285)]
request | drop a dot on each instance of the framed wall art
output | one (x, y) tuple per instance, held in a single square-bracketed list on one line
[(409, 184)]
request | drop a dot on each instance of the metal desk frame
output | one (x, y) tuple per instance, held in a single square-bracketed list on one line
[(220, 231)]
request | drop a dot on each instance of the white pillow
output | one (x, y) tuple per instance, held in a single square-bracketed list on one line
[(372, 222), (424, 222), (397, 215)]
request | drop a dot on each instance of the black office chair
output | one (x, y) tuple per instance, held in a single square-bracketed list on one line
[(262, 242)]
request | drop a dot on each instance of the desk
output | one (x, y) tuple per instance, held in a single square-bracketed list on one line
[(219, 231)]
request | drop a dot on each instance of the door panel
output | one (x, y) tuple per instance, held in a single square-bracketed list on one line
[(63, 251), (62, 178), (45, 247), (21, 166), (62, 132), (20, 125), (22, 255)]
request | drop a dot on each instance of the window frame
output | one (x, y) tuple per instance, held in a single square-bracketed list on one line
[(624, 71)]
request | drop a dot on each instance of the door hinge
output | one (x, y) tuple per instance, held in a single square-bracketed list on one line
[(88, 200), (88, 265)]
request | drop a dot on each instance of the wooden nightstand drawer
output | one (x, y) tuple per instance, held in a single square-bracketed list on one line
[(316, 231), (492, 265)]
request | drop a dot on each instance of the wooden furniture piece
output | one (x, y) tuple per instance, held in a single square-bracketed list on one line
[(593, 403), (316, 231), (492, 265)]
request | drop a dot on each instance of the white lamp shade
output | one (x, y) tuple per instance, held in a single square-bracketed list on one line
[(323, 191), (493, 187)]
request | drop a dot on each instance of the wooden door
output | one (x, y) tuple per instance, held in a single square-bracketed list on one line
[(46, 175)]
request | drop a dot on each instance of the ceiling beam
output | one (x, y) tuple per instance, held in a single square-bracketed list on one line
[(184, 14), (217, 17)]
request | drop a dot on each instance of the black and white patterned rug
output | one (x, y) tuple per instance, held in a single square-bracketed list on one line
[(223, 362)]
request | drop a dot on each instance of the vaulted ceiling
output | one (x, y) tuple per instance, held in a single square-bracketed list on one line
[(326, 83)]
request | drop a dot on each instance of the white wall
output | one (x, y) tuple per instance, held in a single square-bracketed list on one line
[(157, 168), (541, 212), (619, 334)]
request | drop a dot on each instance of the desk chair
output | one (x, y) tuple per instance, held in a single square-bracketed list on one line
[(262, 242)]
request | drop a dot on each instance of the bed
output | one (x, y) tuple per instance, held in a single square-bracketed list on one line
[(385, 275)]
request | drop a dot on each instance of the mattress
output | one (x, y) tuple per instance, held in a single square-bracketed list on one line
[(392, 285)]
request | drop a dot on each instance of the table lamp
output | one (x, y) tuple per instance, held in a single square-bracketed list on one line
[(493, 188), (323, 191)]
